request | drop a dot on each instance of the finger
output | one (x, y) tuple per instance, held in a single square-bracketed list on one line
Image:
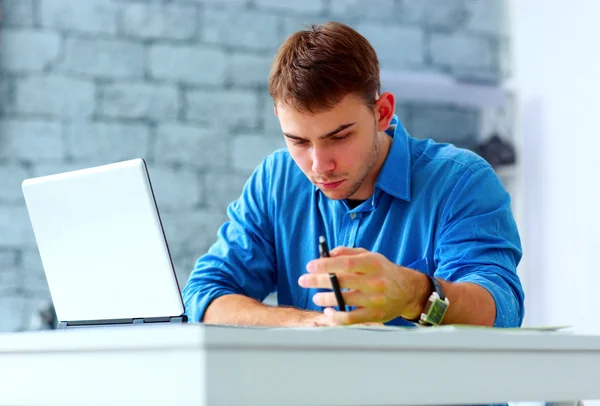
[(352, 298), (341, 250), (360, 315), (365, 283), (366, 262)]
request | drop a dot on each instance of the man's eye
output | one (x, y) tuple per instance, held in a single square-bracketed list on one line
[(299, 142), (341, 137)]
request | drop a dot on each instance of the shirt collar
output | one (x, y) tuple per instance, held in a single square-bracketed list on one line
[(394, 176)]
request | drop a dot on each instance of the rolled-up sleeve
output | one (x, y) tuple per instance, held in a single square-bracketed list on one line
[(478, 242), (242, 259)]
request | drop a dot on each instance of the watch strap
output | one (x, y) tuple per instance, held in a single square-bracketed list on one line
[(436, 306)]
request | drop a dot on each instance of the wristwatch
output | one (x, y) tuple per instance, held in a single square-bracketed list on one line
[(436, 306)]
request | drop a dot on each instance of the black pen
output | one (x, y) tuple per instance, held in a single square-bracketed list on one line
[(324, 251)]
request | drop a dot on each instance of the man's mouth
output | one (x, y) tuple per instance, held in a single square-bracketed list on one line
[(330, 185)]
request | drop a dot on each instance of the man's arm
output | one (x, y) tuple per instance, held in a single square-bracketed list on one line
[(242, 310), (241, 263), (230, 281), (477, 253), (469, 303)]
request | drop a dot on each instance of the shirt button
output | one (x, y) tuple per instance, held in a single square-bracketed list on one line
[(352, 216)]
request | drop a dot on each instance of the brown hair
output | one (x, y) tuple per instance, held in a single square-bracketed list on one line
[(316, 68)]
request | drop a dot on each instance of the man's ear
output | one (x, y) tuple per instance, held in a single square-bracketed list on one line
[(275, 110), (385, 107)]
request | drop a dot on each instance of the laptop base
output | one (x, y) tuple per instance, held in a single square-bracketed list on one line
[(121, 322)]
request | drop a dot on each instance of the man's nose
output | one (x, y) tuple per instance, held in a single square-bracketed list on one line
[(322, 161)]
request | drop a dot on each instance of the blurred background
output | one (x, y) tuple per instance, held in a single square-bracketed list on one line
[(183, 84)]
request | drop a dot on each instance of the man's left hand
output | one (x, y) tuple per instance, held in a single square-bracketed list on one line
[(380, 289)]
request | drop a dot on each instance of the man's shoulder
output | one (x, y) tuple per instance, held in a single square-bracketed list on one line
[(433, 156)]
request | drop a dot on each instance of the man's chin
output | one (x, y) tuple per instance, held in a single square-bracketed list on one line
[(334, 194)]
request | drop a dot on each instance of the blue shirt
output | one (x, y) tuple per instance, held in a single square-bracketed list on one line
[(436, 208)]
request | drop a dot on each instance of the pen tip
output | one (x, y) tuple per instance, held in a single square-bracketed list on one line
[(321, 238)]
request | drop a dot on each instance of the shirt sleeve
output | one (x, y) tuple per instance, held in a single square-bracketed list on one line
[(478, 242), (242, 260)]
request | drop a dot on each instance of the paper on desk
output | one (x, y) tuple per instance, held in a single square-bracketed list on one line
[(385, 328), (414, 327), (525, 328)]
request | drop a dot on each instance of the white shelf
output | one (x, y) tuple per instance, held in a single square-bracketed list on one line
[(433, 87)]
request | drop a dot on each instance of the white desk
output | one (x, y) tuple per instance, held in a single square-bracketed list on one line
[(208, 365)]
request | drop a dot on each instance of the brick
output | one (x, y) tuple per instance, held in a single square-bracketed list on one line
[(461, 51), (55, 95), (139, 100), (240, 29), (223, 188), (17, 13), (159, 21), (221, 3), (16, 231), (386, 39), (459, 126), (488, 16), (12, 175), (183, 263), (35, 282), (249, 70), (305, 6), (90, 16), (103, 57), (188, 64), (381, 10), (28, 51), (61, 167), (8, 258), (31, 140), (445, 15), (505, 60), (192, 231), (175, 189), (6, 93), (107, 141), (13, 313), (193, 146), (250, 150), (11, 279), (232, 109)]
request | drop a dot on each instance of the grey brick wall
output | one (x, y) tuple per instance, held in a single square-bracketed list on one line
[(183, 84)]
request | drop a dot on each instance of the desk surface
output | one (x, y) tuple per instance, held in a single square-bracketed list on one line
[(220, 365)]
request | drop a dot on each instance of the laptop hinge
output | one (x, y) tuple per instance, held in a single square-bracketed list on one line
[(150, 320)]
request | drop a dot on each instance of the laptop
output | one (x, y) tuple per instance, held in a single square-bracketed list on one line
[(103, 247)]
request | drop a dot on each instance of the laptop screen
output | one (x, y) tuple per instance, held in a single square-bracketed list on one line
[(102, 244)]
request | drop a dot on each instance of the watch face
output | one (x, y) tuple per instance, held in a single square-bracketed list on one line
[(437, 311)]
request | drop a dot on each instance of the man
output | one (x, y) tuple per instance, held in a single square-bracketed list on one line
[(397, 210)]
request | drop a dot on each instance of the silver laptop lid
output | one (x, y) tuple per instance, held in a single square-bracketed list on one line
[(102, 244)]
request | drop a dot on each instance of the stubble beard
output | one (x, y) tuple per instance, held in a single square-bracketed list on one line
[(371, 161)]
